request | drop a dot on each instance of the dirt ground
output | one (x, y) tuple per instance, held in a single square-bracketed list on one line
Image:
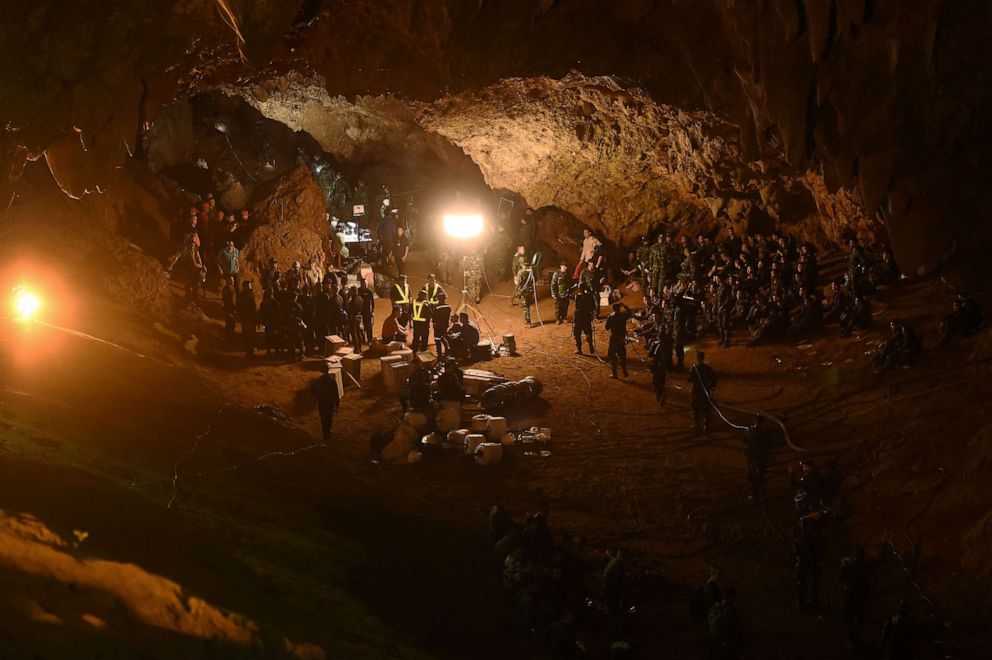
[(292, 549)]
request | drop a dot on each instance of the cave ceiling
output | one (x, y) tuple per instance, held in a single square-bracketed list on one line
[(839, 117)]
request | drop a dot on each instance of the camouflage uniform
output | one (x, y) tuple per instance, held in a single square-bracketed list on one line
[(643, 259), (444, 266), (527, 299), (659, 266), (521, 269), (473, 278), (724, 312), (561, 283)]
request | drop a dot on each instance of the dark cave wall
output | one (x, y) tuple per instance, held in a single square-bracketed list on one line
[(888, 98)]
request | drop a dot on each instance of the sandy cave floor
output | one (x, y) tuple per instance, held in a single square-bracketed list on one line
[(264, 539)]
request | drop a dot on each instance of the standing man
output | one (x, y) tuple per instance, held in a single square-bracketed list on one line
[(401, 249), (432, 289), (229, 298), (659, 370), (368, 309), (703, 379), (421, 322), (616, 325), (807, 545), (561, 283), (527, 299), (440, 319), (855, 578), (227, 263), (520, 268), (585, 312), (589, 245), (325, 390), (754, 451), (400, 295), (248, 313)]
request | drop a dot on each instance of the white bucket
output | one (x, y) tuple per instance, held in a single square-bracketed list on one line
[(489, 453), (497, 428)]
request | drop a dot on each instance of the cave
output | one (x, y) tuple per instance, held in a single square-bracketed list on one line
[(761, 223)]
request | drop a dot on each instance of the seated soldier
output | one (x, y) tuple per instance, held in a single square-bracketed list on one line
[(856, 317), (902, 348), (965, 319)]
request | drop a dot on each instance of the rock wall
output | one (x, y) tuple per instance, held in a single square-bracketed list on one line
[(887, 99), (625, 165)]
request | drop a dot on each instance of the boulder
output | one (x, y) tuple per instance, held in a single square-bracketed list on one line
[(289, 223)]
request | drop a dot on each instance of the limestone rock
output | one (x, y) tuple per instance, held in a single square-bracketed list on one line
[(289, 223)]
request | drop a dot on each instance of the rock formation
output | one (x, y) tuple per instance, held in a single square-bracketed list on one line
[(289, 223)]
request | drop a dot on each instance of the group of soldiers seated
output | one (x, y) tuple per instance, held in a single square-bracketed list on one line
[(766, 285)]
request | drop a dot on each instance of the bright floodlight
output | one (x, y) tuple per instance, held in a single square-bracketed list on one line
[(26, 304), (463, 226)]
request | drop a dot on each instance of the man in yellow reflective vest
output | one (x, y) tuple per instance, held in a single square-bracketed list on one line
[(433, 289), (421, 322), (399, 294)]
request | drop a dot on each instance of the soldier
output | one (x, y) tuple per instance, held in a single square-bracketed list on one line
[(754, 451), (229, 297), (724, 637), (856, 317), (855, 578), (809, 487), (473, 278), (527, 299), (616, 325), (897, 635), (703, 380), (724, 310), (520, 270), (642, 258), (659, 370), (585, 311), (658, 264), (368, 310), (355, 306), (561, 284), (678, 327), (247, 313), (325, 390), (807, 545), (421, 309)]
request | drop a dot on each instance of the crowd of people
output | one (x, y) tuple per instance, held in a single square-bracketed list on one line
[(759, 288)]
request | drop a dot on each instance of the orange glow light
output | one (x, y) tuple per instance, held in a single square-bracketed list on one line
[(26, 303)]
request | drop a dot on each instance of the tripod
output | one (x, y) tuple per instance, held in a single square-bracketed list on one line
[(465, 306)]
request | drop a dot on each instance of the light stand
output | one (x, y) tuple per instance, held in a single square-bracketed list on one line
[(464, 305)]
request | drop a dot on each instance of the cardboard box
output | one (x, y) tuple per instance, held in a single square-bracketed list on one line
[(334, 342), (395, 376), (352, 363)]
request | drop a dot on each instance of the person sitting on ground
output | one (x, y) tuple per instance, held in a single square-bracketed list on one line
[(856, 317), (462, 336), (902, 348), (392, 329), (965, 319)]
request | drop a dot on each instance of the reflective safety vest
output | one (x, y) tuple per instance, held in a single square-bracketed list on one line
[(404, 293), (432, 294), (418, 310)]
